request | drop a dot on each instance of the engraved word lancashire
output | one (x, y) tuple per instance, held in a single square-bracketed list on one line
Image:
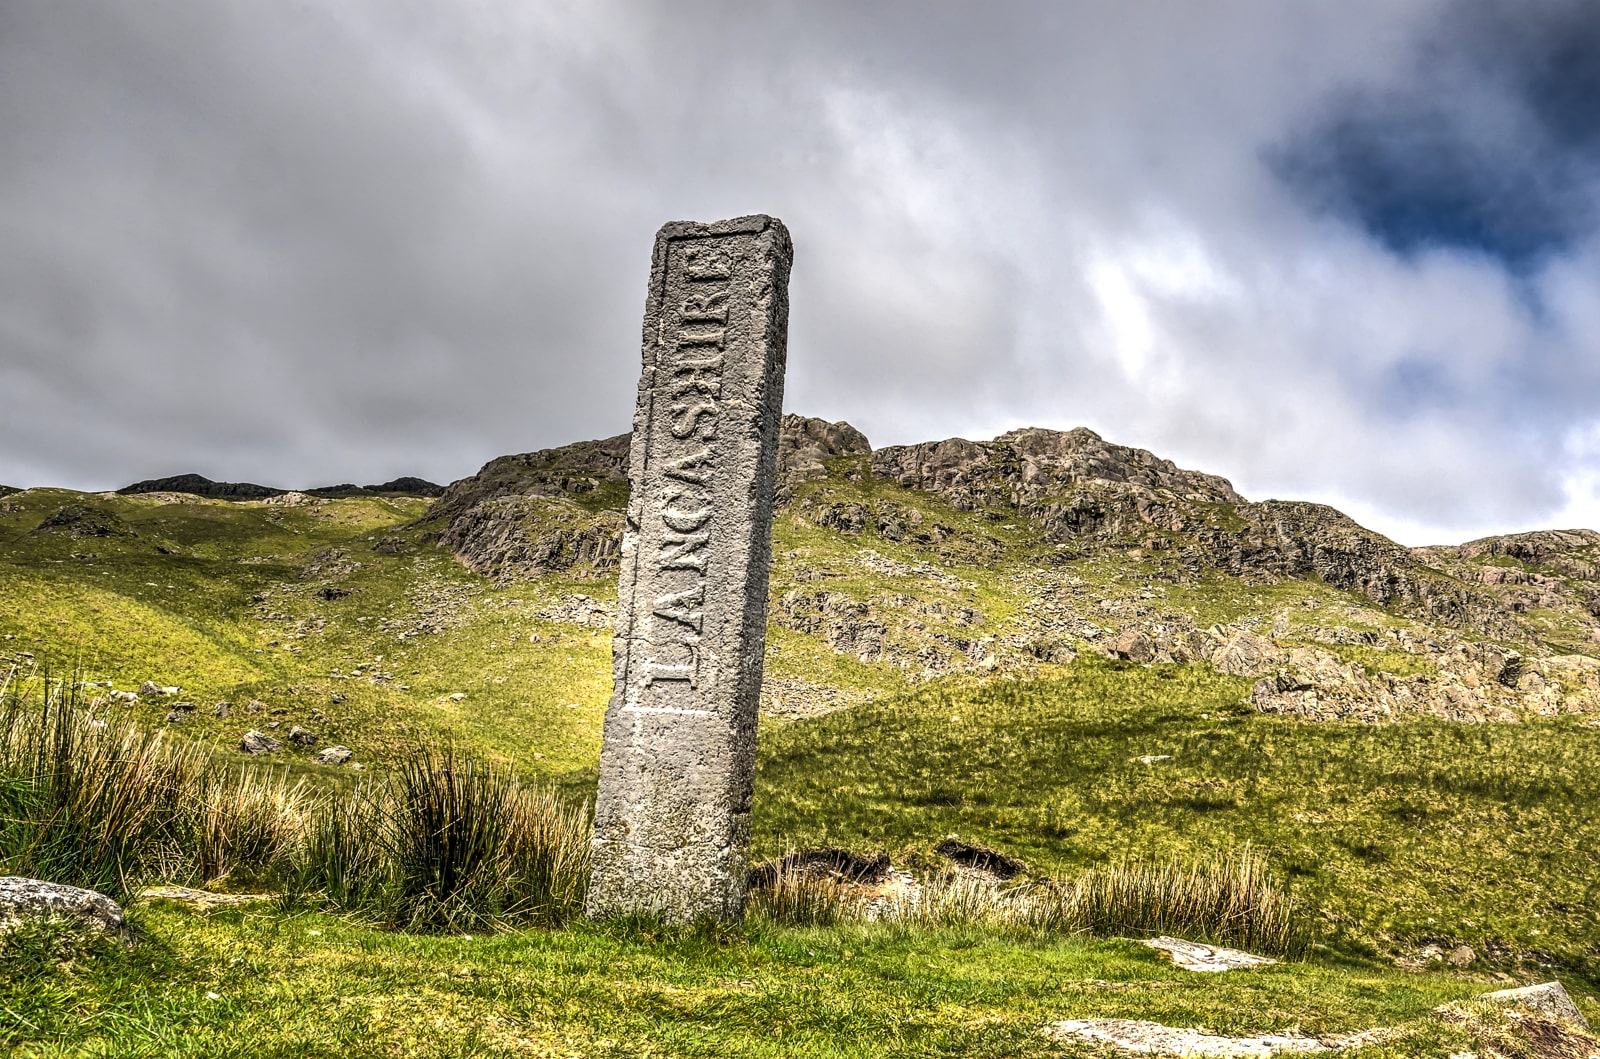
[(691, 363)]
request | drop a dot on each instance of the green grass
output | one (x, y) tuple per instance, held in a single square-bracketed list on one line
[(1391, 836), (1399, 834), (255, 982)]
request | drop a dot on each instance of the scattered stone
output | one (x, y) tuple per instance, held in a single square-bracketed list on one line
[(1151, 1038), (1133, 646), (1547, 998), (1193, 956), (333, 755), (32, 900), (149, 687), (672, 813), (990, 862), (1462, 956), (1151, 759), (457, 696), (255, 742), (301, 736), (222, 709)]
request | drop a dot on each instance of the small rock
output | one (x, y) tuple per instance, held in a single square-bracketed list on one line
[(1462, 956), (302, 737), (1133, 646), (149, 687), (1143, 1038), (174, 716), (333, 755), (316, 714), (336, 698), (1193, 956), (255, 742), (273, 724), (31, 900), (457, 696), (222, 709), (1547, 998)]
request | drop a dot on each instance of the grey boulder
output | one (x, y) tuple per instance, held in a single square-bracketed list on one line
[(255, 742), (333, 755), (1548, 998), (33, 900)]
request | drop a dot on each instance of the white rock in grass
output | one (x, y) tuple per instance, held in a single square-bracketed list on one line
[(333, 755), (1547, 998), (1193, 956), (32, 900), (1152, 1038)]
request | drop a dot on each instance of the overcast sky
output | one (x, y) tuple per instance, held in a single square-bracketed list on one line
[(1343, 251)]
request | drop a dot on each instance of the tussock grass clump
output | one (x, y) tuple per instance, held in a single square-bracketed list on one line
[(249, 825), (468, 845), (452, 842), (90, 802), (1231, 899)]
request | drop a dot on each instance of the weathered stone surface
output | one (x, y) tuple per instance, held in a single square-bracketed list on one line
[(672, 814), (1152, 1038), (1547, 998), (805, 444), (333, 755), (1193, 956), (255, 742), (32, 900)]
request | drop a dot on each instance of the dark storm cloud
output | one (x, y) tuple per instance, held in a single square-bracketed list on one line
[(1494, 145), (331, 242)]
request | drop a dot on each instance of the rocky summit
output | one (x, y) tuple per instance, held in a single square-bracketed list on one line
[(1077, 543)]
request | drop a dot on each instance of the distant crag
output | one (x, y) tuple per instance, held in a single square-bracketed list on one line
[(199, 485), (562, 509), (406, 486), (1077, 489)]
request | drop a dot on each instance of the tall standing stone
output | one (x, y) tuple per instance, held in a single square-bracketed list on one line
[(672, 818)]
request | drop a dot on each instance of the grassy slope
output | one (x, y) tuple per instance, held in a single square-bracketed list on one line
[(1400, 835)]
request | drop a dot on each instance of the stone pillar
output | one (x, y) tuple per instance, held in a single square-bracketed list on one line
[(672, 817)]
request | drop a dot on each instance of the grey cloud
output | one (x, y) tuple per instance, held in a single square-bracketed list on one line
[(313, 243)]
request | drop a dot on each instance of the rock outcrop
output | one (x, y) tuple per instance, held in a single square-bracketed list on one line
[(199, 485), (561, 510), (805, 445), (1025, 467), (80, 521)]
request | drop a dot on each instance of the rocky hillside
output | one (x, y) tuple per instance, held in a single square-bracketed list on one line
[(917, 560)]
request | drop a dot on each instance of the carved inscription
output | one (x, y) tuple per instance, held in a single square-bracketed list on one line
[(672, 812), (690, 361)]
